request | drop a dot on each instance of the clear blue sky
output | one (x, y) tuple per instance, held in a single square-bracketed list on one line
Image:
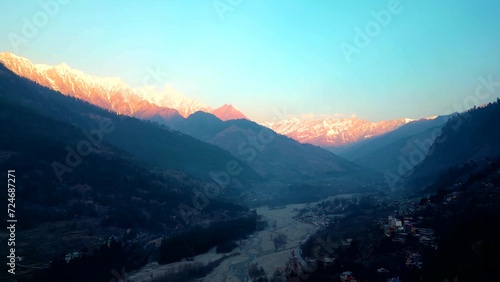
[(264, 56)]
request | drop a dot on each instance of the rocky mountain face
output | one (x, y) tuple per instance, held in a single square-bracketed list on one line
[(114, 94), (329, 131)]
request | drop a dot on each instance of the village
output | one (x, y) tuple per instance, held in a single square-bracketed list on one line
[(405, 224)]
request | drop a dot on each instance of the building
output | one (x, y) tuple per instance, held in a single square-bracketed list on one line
[(347, 277), (328, 261)]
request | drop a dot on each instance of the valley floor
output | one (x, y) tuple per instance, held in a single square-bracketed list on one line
[(258, 248)]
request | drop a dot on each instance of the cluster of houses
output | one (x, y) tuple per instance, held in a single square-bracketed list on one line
[(426, 237), (398, 228), (347, 276)]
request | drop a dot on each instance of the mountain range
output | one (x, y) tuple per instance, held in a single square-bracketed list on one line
[(467, 143), (85, 174), (384, 152), (272, 155), (329, 131), (112, 93), (263, 154), (382, 146), (95, 158), (168, 106), (160, 148)]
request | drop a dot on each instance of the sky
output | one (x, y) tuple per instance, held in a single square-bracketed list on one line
[(378, 59)]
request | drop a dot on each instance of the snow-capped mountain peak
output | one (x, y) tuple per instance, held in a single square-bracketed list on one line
[(109, 92), (169, 97), (112, 93), (332, 131), (149, 102), (228, 112)]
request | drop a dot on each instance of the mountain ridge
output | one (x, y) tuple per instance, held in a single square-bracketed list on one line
[(158, 146), (228, 112), (169, 106), (271, 154), (112, 93), (332, 131), (468, 138)]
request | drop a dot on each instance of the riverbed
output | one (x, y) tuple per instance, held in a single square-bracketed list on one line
[(257, 248)]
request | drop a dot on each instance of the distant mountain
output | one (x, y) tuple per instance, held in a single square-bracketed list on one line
[(113, 94), (383, 152), (472, 137), (108, 93), (329, 131), (283, 160), (272, 155), (158, 147), (168, 106), (170, 98), (228, 112)]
